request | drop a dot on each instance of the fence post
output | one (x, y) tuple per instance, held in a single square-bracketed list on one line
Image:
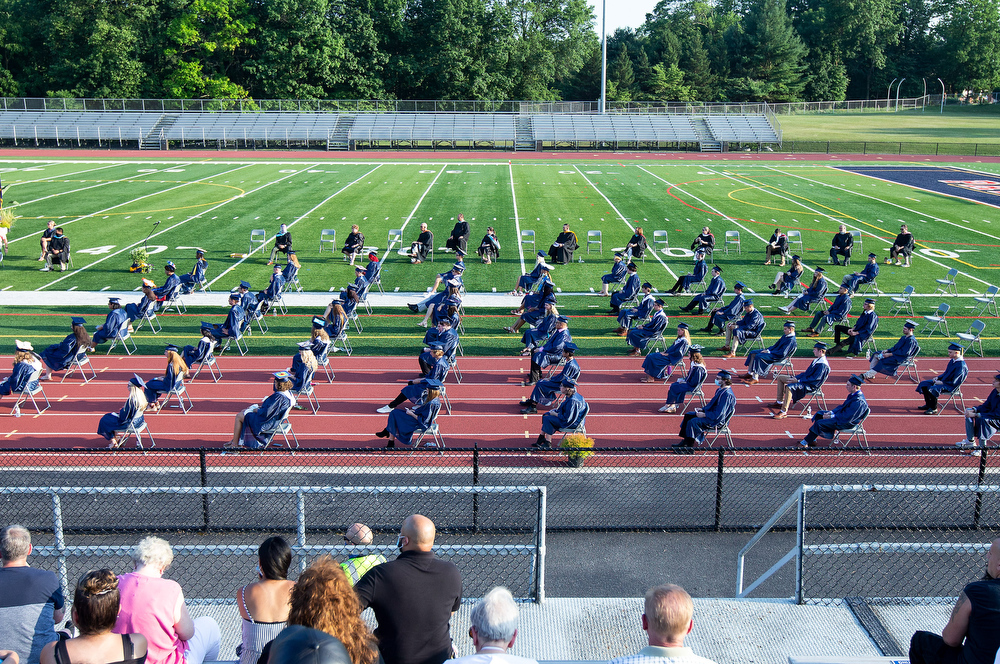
[(301, 534), (204, 496), (540, 548), (979, 494), (720, 466), (800, 527), (57, 530), (475, 482)]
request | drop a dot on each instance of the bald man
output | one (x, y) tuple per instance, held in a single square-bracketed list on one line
[(413, 598), (972, 635), (360, 535), (668, 618)]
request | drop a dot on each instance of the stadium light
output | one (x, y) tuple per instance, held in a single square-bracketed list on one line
[(604, 54), (888, 94)]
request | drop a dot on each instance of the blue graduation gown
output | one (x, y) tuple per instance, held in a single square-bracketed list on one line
[(402, 425), (154, 388), (986, 425), (628, 291), (718, 412), (273, 289), (759, 362), (905, 348), (137, 310), (553, 348), (439, 371), (728, 312), (233, 324), (192, 354), (750, 326), (112, 422), (526, 281), (954, 375), (59, 356), (640, 336), (289, 272), (372, 270), (655, 364), (298, 372), (626, 316), (813, 294), (789, 279), (534, 306), (865, 326), (320, 348), (170, 287), (272, 410), (713, 293), (545, 390), (845, 416), (569, 414), (695, 379), (116, 321), (618, 272), (248, 302), (535, 336), (811, 379), (196, 275), (449, 338), (866, 276), (19, 379), (840, 308), (699, 272)]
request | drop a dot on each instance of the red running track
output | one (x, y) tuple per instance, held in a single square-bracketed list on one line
[(623, 410)]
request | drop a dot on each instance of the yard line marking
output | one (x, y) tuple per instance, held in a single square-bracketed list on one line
[(415, 207), (93, 214), (60, 175), (180, 223), (517, 219), (300, 218), (622, 217)]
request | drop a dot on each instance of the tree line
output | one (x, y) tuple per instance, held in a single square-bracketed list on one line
[(687, 50)]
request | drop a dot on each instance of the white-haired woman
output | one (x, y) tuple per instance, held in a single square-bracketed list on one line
[(493, 625), (154, 607)]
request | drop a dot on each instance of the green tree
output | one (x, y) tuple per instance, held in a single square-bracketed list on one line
[(697, 69), (622, 76), (204, 41), (667, 84), (969, 49), (767, 56), (12, 53)]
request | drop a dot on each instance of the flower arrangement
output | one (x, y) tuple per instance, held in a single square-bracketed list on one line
[(6, 219), (576, 448), (140, 260)]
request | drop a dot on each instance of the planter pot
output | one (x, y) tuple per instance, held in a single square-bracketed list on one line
[(575, 461)]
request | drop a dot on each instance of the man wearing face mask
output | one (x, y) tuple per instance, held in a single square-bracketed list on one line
[(972, 635), (717, 413), (413, 597)]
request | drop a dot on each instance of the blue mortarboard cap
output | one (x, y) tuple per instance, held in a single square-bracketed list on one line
[(170, 264), (541, 254), (318, 322), (696, 348), (909, 324), (869, 300), (820, 344), (633, 266), (281, 375), (789, 323), (619, 254), (245, 284), (205, 325), (683, 326), (199, 252), (458, 266), (955, 347), (819, 270), (303, 345), (234, 296), (137, 381), (739, 284), (855, 379), (872, 255), (725, 375), (436, 345), (748, 302), (570, 346), (796, 257), (23, 345), (76, 320), (659, 301), (171, 347), (114, 300), (562, 319), (717, 269), (568, 382), (359, 268), (433, 382), (647, 285), (454, 282)]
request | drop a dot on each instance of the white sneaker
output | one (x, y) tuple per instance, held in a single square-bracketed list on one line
[(46, 269), (666, 408), (334, 350), (963, 444), (384, 410), (803, 443)]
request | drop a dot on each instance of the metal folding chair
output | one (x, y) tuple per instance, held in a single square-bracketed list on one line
[(795, 237), (857, 431), (210, 362), (328, 236), (266, 436), (179, 391), (908, 368), (940, 318), (972, 337), (241, 344), (344, 341), (954, 397), (902, 302), (149, 317), (594, 237), (721, 430), (947, 285), (29, 394), (781, 366), (135, 428), (733, 238), (695, 393), (817, 396), (660, 242), (81, 360), (308, 392), (123, 337), (528, 237), (435, 433), (258, 236), (987, 304), (174, 300)]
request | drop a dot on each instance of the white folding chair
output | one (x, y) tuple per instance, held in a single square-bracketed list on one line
[(733, 238), (795, 237), (660, 241), (241, 344), (434, 431), (135, 428), (857, 431), (308, 392), (258, 236), (695, 393), (124, 338), (328, 236), (149, 316), (721, 430), (395, 236), (817, 396), (940, 318), (902, 302), (947, 285), (29, 394), (528, 237), (343, 339), (781, 366), (987, 304), (857, 246), (210, 362), (955, 397), (179, 391), (81, 360), (755, 341), (594, 237), (266, 436), (972, 337), (870, 287)]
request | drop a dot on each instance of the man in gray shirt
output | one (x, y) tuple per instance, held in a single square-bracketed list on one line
[(667, 620), (31, 600)]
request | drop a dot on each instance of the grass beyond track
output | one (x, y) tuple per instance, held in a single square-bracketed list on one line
[(958, 124)]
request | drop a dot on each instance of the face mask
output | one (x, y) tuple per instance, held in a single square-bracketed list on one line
[(260, 573), (399, 542), (718, 382)]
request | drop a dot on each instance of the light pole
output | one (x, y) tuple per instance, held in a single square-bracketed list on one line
[(604, 54), (897, 92), (942, 94), (888, 94)]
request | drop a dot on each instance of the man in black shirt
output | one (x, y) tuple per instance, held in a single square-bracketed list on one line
[(413, 598), (974, 620), (841, 246)]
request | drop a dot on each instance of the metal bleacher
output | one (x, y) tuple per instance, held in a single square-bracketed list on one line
[(159, 130)]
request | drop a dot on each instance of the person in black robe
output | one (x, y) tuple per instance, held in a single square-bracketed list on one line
[(489, 247), (355, 243), (57, 250), (562, 249), (420, 249), (282, 243), (901, 246), (459, 239)]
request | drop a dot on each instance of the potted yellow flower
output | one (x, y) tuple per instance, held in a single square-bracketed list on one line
[(576, 448)]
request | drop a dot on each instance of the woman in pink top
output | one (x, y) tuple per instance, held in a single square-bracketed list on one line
[(154, 607)]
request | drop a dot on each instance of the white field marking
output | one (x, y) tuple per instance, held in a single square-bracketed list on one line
[(517, 220), (155, 235), (415, 207), (297, 220), (622, 217), (874, 198), (87, 216), (60, 175)]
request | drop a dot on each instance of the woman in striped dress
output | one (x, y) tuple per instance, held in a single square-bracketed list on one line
[(264, 603)]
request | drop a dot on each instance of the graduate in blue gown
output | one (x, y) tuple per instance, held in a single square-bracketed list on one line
[(953, 377), (685, 281), (681, 387), (846, 416), (730, 312), (320, 341), (658, 366), (373, 268), (532, 307), (197, 273), (790, 389), (759, 362), (713, 293), (864, 328), (837, 312), (303, 364), (618, 274), (785, 281), (867, 275), (570, 414), (444, 334), (233, 325), (265, 416), (627, 316), (335, 320), (717, 413), (206, 346), (628, 291), (545, 390), (145, 305), (982, 421), (638, 338), (27, 369), (59, 357), (247, 298), (114, 324), (437, 370), (171, 287), (291, 270), (526, 282), (112, 426), (445, 278), (550, 352), (747, 328), (815, 293), (403, 424), (173, 376), (273, 291), (887, 362), (349, 300), (537, 335)]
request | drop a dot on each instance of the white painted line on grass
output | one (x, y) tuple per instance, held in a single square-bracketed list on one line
[(415, 207), (517, 219)]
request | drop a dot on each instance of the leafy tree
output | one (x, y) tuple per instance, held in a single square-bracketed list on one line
[(11, 47), (767, 56), (621, 74), (697, 69), (552, 41), (667, 84), (969, 52), (204, 39), (361, 60)]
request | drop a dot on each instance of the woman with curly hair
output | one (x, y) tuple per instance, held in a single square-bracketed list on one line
[(323, 599), (95, 610)]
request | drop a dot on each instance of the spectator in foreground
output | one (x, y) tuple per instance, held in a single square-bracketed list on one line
[(358, 534), (413, 598), (667, 620), (493, 630), (322, 599), (95, 608), (8, 657), (263, 604), (31, 600), (154, 607), (972, 635), (305, 645)]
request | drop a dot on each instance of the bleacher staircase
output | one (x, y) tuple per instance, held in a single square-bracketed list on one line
[(340, 135), (706, 139), (156, 139), (524, 133)]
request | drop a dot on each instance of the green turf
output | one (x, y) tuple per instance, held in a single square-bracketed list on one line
[(958, 124)]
